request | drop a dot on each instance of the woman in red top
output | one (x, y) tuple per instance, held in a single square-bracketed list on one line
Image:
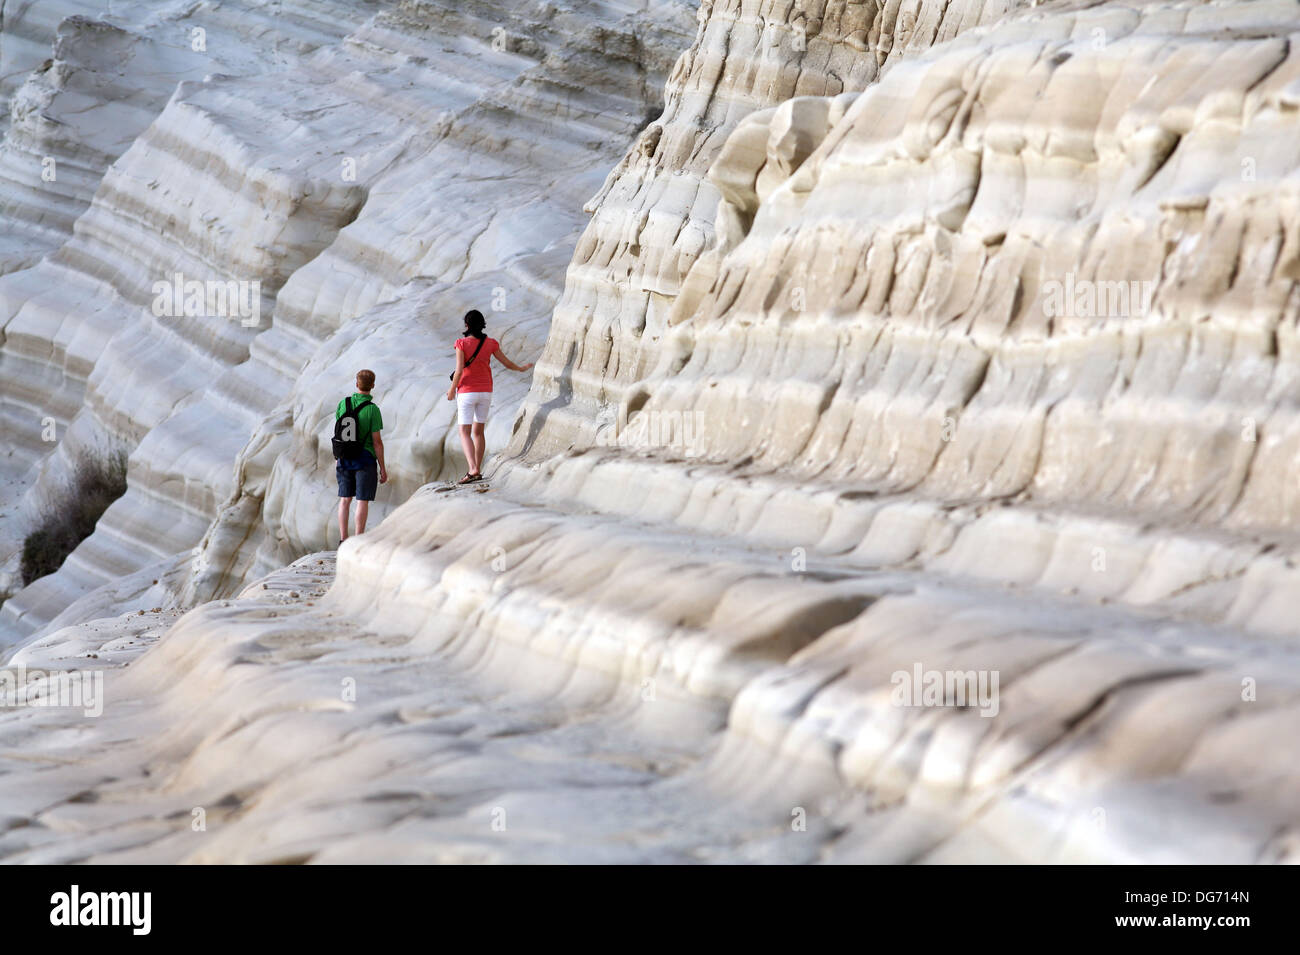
[(471, 387)]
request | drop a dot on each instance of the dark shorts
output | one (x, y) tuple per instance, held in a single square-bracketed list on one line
[(358, 478)]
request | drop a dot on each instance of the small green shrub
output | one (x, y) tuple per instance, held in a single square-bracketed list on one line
[(96, 483)]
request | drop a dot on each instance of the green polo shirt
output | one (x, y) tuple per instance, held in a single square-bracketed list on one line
[(368, 418)]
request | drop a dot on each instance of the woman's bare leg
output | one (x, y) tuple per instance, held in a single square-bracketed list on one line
[(467, 445), (479, 442)]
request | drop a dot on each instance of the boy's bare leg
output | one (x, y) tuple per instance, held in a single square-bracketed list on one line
[(363, 511), (344, 504), (479, 442)]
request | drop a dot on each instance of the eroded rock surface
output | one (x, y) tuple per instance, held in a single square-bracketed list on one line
[(429, 159)]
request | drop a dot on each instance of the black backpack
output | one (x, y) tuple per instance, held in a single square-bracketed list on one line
[(348, 441)]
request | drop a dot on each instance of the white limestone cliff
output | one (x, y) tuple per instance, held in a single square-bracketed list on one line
[(901, 339), (393, 165)]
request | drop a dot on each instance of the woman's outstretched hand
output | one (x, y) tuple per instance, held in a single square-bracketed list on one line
[(526, 367)]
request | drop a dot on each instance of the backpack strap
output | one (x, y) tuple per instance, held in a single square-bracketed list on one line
[(350, 409)]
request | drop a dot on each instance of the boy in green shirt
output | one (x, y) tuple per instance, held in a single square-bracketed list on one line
[(357, 478)]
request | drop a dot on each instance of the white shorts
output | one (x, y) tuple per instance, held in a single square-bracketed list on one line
[(473, 406)]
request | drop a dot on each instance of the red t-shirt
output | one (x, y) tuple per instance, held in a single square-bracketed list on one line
[(478, 376)]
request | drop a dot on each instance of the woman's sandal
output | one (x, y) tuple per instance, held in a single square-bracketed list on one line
[(470, 479)]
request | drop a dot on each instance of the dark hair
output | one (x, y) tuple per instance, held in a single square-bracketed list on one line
[(474, 323)]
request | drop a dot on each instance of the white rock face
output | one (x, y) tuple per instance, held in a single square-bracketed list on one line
[(395, 170), (82, 80), (905, 475)]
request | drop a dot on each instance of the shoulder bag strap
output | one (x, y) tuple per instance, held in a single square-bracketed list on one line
[(476, 350)]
